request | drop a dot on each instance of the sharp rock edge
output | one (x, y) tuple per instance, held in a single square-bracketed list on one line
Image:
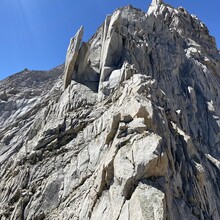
[(133, 135)]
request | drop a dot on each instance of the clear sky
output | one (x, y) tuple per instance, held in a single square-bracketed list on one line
[(35, 34)]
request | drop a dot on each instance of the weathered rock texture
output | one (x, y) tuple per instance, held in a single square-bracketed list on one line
[(71, 56), (135, 134)]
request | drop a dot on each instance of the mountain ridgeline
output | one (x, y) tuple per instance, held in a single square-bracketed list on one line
[(128, 129)]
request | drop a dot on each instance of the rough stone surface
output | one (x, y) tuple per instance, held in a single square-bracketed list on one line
[(135, 134), (71, 56)]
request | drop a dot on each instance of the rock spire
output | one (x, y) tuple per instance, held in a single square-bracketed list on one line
[(135, 136), (71, 57)]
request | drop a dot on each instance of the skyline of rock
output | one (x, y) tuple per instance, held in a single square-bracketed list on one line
[(129, 128)]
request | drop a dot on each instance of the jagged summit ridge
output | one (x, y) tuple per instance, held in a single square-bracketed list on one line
[(155, 4), (116, 34), (134, 134)]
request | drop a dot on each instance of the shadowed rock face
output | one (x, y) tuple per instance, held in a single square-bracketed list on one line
[(135, 134)]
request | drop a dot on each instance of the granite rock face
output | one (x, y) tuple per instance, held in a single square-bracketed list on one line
[(134, 135), (71, 56)]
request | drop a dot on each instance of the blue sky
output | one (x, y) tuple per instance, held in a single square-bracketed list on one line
[(35, 33)]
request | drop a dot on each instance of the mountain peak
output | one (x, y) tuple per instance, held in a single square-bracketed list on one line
[(155, 4)]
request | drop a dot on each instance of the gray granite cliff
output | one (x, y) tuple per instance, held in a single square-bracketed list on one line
[(130, 131)]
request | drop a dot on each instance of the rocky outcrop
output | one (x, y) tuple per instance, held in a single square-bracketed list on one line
[(135, 134), (71, 56), (21, 99), (154, 6)]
